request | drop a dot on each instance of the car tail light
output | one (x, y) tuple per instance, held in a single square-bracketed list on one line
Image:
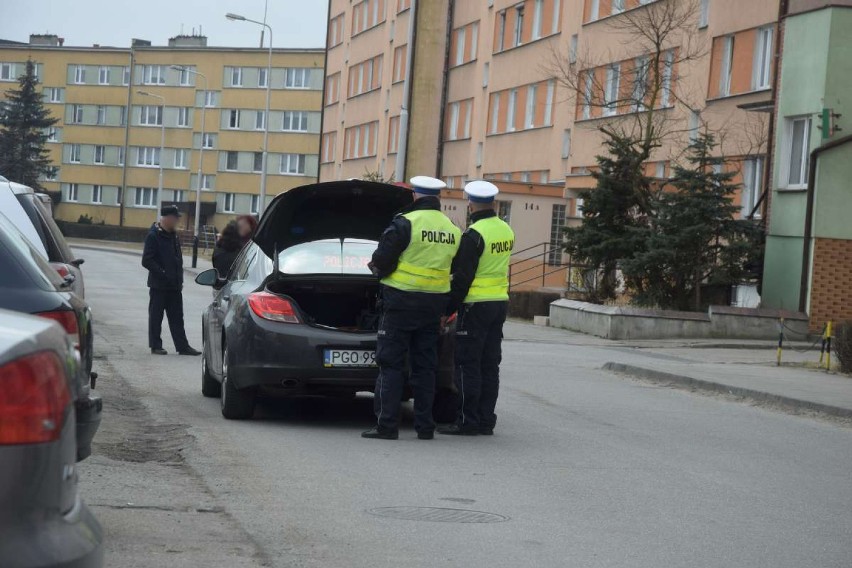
[(35, 396), (63, 269), (68, 320), (271, 307)]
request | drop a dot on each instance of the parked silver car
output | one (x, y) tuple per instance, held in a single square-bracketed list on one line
[(43, 521)]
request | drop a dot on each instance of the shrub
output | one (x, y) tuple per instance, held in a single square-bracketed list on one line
[(843, 346), (84, 219)]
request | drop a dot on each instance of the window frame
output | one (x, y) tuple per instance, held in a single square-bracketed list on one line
[(99, 152), (104, 71), (97, 194), (229, 201), (804, 157), (761, 74)]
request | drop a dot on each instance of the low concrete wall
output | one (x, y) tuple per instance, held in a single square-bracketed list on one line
[(612, 322), (527, 304)]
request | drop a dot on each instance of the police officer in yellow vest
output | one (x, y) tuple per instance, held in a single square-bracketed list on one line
[(413, 260), (480, 293)]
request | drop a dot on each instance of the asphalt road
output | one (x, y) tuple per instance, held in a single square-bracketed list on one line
[(586, 469)]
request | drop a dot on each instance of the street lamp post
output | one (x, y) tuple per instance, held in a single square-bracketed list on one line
[(262, 205), (162, 145), (196, 226)]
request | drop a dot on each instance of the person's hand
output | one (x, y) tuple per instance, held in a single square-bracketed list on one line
[(444, 322)]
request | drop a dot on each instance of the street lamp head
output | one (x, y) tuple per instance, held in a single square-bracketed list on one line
[(235, 17), (177, 67), (146, 93)]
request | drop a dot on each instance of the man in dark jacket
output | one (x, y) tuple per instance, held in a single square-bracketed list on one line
[(163, 259)]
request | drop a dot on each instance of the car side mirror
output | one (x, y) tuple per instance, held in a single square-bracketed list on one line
[(77, 262), (209, 278)]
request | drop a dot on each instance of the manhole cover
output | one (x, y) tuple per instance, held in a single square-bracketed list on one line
[(438, 515)]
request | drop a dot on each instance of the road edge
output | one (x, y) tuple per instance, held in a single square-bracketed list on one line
[(193, 272), (789, 404)]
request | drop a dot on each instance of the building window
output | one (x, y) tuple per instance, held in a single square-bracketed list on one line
[(752, 183), (53, 134), (292, 164), (295, 121), (255, 204), (501, 31), (101, 115), (660, 170), (236, 76), (504, 210), (145, 197), (297, 78), (335, 31), (75, 154), (529, 111), (180, 158), (460, 37), (153, 74), (262, 79), (206, 181), (393, 135), (538, 9), (73, 192), (122, 118), (260, 120), (77, 114), (572, 49), (183, 116), (179, 195), (641, 65), (151, 116), (704, 14), (495, 113), (557, 225), (694, 124), (365, 76), (611, 89), (587, 95), (566, 143), (99, 154), (208, 141), (184, 77), (80, 74), (668, 69), (510, 111), (727, 66), (97, 194), (257, 165), (518, 34), (400, 59), (234, 119), (594, 10), (103, 75), (231, 161), (209, 99), (617, 6), (6, 73), (125, 76), (762, 59), (148, 156), (329, 144), (228, 203), (798, 130), (332, 89), (56, 95), (121, 155)]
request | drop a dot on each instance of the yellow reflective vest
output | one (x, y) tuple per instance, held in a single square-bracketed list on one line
[(424, 266), (491, 282)]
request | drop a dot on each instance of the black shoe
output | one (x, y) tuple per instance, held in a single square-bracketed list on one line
[(189, 351), (456, 430), (159, 351), (486, 431), (430, 435), (376, 434)]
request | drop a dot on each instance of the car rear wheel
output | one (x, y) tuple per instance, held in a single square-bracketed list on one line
[(236, 404), (210, 387)]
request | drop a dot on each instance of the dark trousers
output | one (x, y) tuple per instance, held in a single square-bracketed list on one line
[(170, 302), (413, 333), (479, 334)]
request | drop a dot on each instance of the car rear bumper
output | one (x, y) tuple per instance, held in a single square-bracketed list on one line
[(88, 413), (74, 540)]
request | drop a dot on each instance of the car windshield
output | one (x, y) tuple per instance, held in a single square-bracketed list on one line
[(327, 257)]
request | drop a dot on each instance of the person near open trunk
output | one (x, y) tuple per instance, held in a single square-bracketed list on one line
[(163, 258), (413, 261), (480, 295)]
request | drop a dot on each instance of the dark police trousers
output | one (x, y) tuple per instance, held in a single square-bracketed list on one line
[(479, 334), (171, 302), (413, 330)]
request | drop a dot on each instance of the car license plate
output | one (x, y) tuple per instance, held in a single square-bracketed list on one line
[(349, 358)]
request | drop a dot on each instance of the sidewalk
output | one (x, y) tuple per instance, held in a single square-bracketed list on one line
[(135, 249)]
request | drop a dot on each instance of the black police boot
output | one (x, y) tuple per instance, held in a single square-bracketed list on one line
[(484, 431), (456, 430), (159, 351), (426, 435), (379, 434), (189, 351)]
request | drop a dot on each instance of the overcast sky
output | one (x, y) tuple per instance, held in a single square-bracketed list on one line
[(295, 23)]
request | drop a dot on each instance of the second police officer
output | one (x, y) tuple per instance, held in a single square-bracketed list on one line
[(413, 261), (480, 293)]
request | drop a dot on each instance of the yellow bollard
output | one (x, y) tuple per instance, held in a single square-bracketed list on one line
[(828, 331)]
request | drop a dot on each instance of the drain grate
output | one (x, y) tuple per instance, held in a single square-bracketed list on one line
[(437, 515)]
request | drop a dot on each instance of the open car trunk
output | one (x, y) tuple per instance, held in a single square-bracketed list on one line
[(346, 303)]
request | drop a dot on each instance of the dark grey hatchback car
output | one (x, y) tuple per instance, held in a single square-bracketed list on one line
[(298, 312), (43, 522)]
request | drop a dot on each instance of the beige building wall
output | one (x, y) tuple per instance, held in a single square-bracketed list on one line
[(295, 118)]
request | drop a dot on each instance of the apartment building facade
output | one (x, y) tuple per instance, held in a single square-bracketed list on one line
[(106, 145), (503, 81)]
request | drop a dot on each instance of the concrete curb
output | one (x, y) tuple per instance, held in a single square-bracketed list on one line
[(187, 270), (792, 405)]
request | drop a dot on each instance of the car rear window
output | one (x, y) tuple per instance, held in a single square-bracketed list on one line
[(57, 249), (17, 250), (327, 257)]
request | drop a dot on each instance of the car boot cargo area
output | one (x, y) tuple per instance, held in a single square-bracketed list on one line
[(347, 304)]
